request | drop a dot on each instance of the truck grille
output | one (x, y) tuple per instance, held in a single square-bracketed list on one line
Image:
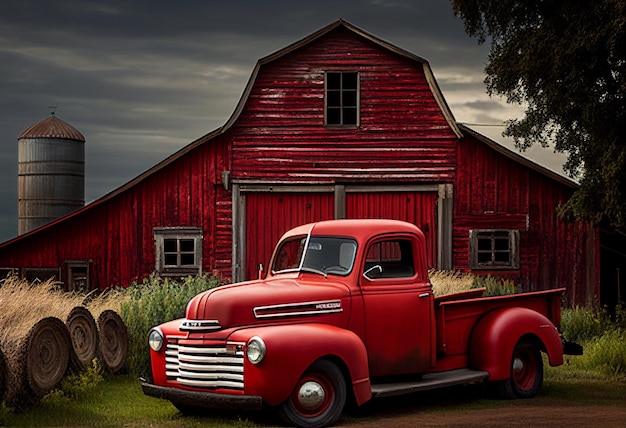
[(204, 366)]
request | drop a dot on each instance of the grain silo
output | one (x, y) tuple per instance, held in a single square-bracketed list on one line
[(51, 173)]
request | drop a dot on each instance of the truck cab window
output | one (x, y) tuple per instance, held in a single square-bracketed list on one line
[(395, 258)]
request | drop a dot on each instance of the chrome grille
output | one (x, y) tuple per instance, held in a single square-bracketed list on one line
[(204, 366)]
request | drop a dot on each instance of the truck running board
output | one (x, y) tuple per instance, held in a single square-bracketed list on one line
[(430, 381)]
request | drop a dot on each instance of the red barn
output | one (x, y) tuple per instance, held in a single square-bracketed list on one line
[(338, 125)]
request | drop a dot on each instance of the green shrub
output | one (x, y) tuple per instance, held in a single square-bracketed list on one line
[(581, 324), (153, 302), (603, 336), (585, 324), (75, 385), (606, 354)]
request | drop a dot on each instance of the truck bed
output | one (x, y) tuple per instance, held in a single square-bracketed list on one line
[(457, 315)]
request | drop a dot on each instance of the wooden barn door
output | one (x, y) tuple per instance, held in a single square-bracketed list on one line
[(269, 215), (419, 208)]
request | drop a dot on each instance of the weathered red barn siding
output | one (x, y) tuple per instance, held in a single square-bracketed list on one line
[(117, 233), (418, 208), (403, 134), (494, 192), (270, 215)]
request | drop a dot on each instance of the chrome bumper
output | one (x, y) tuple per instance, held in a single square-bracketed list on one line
[(205, 400)]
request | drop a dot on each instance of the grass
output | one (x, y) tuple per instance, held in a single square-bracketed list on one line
[(118, 401)]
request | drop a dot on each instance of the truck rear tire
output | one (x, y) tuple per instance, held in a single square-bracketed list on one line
[(318, 398), (526, 373)]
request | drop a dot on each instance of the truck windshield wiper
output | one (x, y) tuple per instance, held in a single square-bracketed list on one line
[(313, 270)]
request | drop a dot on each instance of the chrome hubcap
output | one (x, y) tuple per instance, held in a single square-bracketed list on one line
[(311, 395), (518, 365)]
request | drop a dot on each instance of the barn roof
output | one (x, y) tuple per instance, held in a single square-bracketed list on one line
[(458, 128), (517, 157)]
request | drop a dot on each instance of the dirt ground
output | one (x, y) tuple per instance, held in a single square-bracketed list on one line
[(512, 416), (469, 408)]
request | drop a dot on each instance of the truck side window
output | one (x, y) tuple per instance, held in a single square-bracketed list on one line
[(395, 258)]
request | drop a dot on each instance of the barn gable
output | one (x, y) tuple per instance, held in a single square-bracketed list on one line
[(338, 125)]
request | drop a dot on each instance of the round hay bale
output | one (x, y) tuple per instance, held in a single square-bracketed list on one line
[(113, 341), (3, 376), (47, 353), (84, 334)]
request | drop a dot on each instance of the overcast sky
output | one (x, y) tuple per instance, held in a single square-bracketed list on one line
[(142, 78)]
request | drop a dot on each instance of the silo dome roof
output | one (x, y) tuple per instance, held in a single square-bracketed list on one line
[(52, 127)]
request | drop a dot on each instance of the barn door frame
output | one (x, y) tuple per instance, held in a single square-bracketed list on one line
[(240, 189)]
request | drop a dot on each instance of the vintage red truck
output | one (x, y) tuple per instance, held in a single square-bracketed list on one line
[(346, 312)]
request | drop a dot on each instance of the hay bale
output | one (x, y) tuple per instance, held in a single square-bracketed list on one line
[(24, 305), (47, 354), (113, 341), (3, 376), (39, 362), (84, 334)]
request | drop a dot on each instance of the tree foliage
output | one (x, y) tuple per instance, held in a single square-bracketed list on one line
[(564, 61)]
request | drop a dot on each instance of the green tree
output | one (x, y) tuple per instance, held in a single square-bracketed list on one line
[(564, 61)]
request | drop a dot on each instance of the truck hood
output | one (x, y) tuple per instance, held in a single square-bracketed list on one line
[(285, 299)]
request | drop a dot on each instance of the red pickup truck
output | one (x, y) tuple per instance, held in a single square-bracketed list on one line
[(346, 312)]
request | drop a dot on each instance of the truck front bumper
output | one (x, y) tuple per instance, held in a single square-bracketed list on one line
[(205, 400)]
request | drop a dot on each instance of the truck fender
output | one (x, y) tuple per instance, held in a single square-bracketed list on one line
[(292, 348), (496, 333)]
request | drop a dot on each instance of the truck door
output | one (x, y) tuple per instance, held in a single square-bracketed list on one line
[(398, 305)]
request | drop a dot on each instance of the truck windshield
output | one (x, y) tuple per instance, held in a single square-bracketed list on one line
[(324, 255)]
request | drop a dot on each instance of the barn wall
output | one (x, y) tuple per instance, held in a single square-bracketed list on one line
[(494, 192), (117, 234), (403, 135)]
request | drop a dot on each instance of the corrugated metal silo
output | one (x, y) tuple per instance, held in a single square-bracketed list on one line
[(51, 173)]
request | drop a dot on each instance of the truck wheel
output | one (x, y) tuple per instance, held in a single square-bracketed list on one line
[(318, 398), (526, 372)]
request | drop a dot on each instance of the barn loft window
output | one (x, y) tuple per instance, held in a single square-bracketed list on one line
[(494, 249), (178, 251), (342, 98)]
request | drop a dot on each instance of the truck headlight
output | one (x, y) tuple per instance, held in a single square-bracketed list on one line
[(255, 350), (155, 339)]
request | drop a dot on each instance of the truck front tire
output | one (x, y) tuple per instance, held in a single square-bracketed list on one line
[(318, 398), (526, 372)]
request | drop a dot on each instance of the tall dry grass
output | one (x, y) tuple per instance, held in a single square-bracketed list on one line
[(23, 304), (446, 282), (449, 282)]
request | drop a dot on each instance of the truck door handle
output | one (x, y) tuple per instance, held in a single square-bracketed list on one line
[(421, 296)]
